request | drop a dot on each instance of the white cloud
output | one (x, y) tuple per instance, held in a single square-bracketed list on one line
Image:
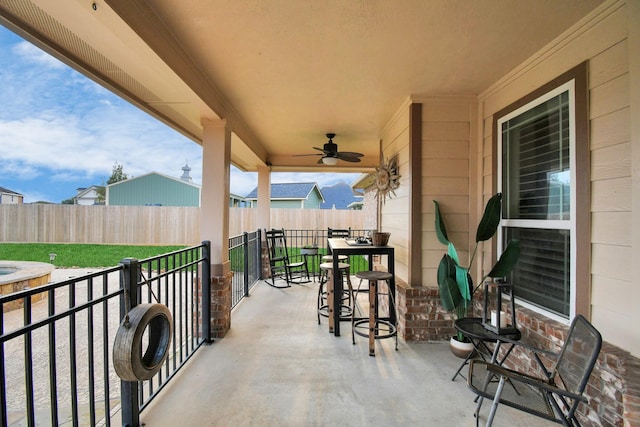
[(32, 54), (242, 183), (58, 127)]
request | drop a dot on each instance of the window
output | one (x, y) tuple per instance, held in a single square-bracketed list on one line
[(538, 175)]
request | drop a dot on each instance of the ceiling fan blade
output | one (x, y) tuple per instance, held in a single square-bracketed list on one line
[(348, 158), (350, 154), (330, 149), (323, 150)]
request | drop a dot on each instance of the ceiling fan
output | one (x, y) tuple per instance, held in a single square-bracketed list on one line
[(331, 155)]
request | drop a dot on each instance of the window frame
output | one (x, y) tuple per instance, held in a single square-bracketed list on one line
[(576, 80)]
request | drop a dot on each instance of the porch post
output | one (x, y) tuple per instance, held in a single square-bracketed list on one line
[(634, 104), (263, 220), (214, 219), (264, 197)]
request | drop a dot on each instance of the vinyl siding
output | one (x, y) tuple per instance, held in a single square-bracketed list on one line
[(603, 42), (152, 190)]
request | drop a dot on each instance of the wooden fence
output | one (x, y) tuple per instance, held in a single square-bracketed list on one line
[(147, 225)]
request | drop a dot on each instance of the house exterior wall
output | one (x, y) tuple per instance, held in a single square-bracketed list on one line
[(313, 201), (87, 199), (394, 212), (448, 159), (10, 199), (152, 190), (603, 41), (285, 204), (448, 169), (458, 170)]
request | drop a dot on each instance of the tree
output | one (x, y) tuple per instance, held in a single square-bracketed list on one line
[(117, 175)]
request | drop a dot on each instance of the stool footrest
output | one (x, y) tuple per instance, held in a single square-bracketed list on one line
[(382, 329), (345, 312)]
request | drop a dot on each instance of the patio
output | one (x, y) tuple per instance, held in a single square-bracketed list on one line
[(277, 366)]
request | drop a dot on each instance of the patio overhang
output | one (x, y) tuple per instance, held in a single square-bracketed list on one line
[(282, 75)]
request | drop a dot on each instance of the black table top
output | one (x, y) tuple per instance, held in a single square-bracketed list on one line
[(473, 328)]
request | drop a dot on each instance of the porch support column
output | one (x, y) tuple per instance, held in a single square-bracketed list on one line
[(264, 198), (214, 219), (634, 113), (263, 220)]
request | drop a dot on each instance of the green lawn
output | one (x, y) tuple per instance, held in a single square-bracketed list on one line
[(79, 255)]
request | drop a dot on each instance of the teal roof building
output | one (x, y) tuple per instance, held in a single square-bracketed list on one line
[(153, 189)]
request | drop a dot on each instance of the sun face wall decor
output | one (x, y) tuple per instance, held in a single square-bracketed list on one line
[(387, 178)]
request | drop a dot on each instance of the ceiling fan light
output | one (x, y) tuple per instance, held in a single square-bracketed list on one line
[(330, 161)]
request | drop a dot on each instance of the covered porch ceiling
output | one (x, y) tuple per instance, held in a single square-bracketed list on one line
[(283, 73)]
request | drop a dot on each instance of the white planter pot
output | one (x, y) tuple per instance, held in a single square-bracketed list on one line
[(460, 349)]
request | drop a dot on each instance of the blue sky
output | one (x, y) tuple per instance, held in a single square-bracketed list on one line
[(60, 131)]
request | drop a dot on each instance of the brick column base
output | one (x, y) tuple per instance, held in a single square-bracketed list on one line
[(266, 268), (420, 317), (221, 304)]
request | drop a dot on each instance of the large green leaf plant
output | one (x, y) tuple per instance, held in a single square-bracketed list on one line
[(454, 281)]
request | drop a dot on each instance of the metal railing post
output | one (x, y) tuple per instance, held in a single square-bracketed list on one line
[(245, 249), (129, 392), (206, 291), (259, 237)]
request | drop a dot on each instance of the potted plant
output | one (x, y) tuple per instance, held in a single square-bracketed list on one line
[(454, 281), (311, 249)]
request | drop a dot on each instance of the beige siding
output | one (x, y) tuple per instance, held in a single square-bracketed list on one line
[(394, 215), (447, 163), (610, 129), (602, 41)]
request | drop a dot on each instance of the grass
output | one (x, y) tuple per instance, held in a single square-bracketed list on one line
[(79, 255)]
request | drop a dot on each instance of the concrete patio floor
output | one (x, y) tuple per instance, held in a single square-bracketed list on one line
[(278, 367)]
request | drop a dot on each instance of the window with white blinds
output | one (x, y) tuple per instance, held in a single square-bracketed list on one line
[(535, 152)]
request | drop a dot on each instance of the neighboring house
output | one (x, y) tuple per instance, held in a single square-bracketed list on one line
[(154, 189), (8, 197), (236, 201), (303, 195), (87, 196), (339, 196)]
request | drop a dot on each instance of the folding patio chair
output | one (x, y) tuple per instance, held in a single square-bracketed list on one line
[(557, 395)]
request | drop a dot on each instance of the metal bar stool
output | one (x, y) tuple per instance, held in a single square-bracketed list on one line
[(374, 327), (325, 296)]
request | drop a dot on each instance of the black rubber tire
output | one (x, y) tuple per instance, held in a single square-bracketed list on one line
[(129, 362)]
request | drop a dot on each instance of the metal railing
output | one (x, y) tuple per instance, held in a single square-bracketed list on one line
[(245, 258), (179, 280), (297, 239), (56, 357)]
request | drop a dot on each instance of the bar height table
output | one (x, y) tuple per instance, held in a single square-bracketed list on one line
[(342, 246)]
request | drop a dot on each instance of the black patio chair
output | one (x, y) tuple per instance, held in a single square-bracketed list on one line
[(555, 396), (279, 263), (336, 233)]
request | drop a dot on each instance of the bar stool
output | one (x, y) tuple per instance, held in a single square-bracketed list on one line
[(326, 275), (329, 259), (374, 327)]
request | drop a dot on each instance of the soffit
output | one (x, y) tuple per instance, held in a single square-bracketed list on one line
[(285, 72)]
